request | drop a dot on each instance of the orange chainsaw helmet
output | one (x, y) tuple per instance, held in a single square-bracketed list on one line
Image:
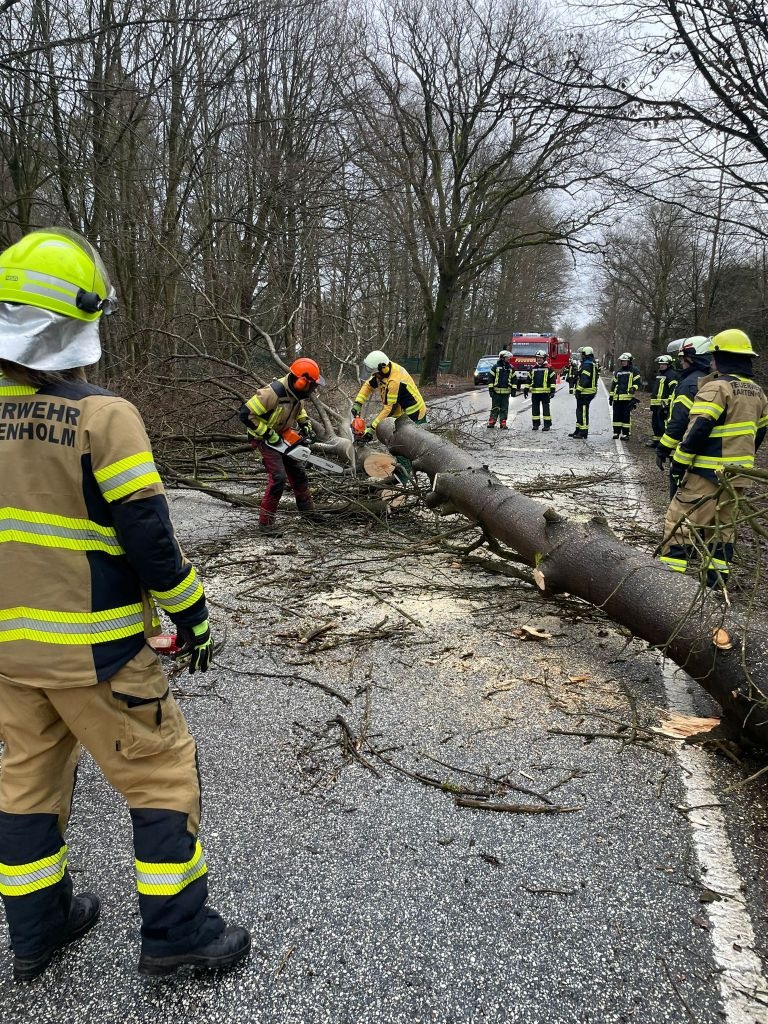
[(306, 373)]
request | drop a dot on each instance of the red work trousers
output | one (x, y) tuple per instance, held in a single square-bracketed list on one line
[(282, 471)]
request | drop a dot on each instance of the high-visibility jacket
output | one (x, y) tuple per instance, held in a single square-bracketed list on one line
[(543, 380), (86, 542), (663, 389), (586, 382), (728, 421), (502, 378), (679, 414), (398, 393), (274, 407), (624, 385)]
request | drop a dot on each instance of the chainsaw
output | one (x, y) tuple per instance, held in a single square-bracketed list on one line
[(292, 444), (358, 431)]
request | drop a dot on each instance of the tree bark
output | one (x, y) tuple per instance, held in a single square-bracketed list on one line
[(667, 609)]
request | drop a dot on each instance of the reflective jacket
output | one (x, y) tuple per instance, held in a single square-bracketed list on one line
[(274, 407), (502, 378), (685, 391), (586, 382), (543, 380), (728, 421), (624, 385), (663, 389), (86, 542), (398, 393)]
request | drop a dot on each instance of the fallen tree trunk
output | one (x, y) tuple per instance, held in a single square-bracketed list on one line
[(669, 610)]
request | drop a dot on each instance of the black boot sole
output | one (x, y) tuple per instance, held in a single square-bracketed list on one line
[(158, 966)]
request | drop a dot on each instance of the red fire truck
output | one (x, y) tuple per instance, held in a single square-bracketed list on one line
[(525, 346)]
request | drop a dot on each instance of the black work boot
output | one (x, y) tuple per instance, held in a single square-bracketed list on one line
[(491, 424), (224, 951), (83, 915), (535, 426), (270, 530), (547, 426)]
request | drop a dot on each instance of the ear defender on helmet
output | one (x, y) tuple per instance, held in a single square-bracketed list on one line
[(303, 383), (89, 302)]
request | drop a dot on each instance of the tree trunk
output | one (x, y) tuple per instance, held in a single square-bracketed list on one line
[(437, 328), (586, 559)]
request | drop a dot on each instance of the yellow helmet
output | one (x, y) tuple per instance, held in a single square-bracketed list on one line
[(58, 270), (734, 341)]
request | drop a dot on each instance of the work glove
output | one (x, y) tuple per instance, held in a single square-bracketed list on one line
[(368, 434), (356, 409), (676, 476), (610, 401), (197, 642), (661, 459), (307, 431), (272, 437)]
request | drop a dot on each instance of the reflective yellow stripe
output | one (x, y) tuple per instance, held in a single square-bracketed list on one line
[(10, 388), (53, 531), (255, 405), (701, 408), (59, 627), (22, 879), (669, 442), (676, 564), (713, 462), (735, 430), (169, 878), (682, 400), (683, 457), (127, 476), (182, 596)]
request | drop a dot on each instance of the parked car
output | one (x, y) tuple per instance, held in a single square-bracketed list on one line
[(483, 369)]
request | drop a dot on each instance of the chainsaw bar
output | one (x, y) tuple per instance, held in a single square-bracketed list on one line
[(302, 454)]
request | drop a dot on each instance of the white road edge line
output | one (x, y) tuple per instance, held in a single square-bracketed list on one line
[(742, 983)]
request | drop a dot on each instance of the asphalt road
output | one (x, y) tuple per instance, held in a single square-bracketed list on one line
[(372, 898)]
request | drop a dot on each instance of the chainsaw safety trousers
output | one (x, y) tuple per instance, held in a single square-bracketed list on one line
[(281, 471)]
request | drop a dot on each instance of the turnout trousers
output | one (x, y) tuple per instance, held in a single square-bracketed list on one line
[(134, 730), (282, 471), (499, 407), (658, 421), (700, 523), (582, 414), (539, 409), (403, 466), (622, 417)]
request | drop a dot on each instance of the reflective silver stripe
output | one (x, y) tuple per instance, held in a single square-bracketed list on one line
[(64, 532), (174, 603), (15, 881), (73, 628), (113, 482), (51, 293)]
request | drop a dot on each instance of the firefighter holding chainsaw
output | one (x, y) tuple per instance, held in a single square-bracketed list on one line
[(399, 397), (270, 414), (88, 551)]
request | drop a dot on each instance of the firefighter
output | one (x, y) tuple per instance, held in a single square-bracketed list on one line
[(623, 395), (501, 386), (728, 421), (542, 387), (694, 362), (271, 411), (399, 397), (586, 389), (88, 550), (661, 398), (572, 373)]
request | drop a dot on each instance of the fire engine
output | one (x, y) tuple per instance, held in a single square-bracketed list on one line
[(525, 346)]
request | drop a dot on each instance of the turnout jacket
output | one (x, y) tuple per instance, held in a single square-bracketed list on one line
[(624, 385), (398, 393), (685, 392), (728, 421), (586, 382), (86, 540), (274, 407), (502, 379), (663, 389), (543, 380)]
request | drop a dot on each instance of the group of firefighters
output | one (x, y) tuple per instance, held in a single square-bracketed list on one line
[(89, 555)]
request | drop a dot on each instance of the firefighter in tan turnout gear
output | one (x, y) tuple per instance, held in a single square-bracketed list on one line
[(728, 421), (87, 551)]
